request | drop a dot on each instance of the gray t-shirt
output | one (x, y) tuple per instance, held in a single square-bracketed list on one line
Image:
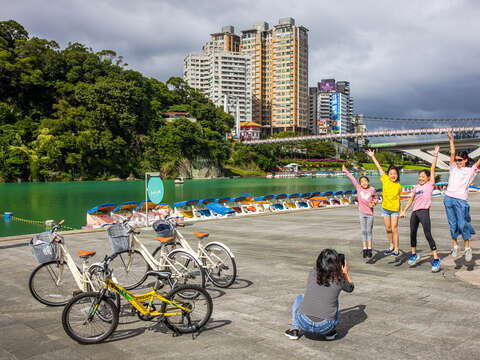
[(321, 302)]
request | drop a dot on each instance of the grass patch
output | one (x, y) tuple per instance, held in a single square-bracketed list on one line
[(235, 171)]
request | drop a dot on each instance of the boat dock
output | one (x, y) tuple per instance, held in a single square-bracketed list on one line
[(395, 312)]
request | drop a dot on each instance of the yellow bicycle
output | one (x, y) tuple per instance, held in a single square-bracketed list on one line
[(92, 317)]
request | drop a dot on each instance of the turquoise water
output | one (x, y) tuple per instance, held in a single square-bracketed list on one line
[(71, 200)]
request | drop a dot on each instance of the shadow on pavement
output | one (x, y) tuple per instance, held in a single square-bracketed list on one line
[(378, 256), (241, 284), (470, 265), (215, 293), (348, 318)]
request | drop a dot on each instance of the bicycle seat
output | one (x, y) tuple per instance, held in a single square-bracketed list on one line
[(164, 239), (84, 254), (162, 275), (201, 235)]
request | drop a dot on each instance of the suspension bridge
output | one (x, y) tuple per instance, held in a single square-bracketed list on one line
[(466, 130)]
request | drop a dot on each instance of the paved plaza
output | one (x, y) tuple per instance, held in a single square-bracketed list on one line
[(395, 312)]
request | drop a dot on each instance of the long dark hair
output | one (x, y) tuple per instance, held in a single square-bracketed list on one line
[(329, 268), (393, 167), (464, 155)]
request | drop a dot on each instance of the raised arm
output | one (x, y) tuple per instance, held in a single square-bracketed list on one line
[(477, 164), (371, 154), (349, 175), (452, 147), (403, 212), (434, 164)]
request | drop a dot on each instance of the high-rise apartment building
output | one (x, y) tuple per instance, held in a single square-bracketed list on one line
[(313, 125), (333, 110), (279, 75), (222, 74)]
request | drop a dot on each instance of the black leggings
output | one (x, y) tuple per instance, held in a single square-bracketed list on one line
[(421, 216)]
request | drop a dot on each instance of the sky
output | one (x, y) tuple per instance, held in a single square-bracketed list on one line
[(403, 58)]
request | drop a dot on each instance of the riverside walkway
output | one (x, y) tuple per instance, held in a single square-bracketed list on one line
[(395, 312)]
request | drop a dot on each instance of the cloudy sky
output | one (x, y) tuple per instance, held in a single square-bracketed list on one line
[(403, 58)]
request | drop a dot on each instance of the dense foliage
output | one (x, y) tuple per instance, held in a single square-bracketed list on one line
[(73, 113)]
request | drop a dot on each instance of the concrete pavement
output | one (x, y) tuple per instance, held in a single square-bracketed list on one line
[(395, 312)]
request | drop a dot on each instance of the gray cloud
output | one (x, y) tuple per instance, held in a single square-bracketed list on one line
[(410, 58)]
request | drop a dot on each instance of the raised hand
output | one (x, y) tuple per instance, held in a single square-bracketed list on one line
[(370, 153), (450, 134), (344, 168), (436, 150)]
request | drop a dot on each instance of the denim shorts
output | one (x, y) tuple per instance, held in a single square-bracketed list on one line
[(386, 212)]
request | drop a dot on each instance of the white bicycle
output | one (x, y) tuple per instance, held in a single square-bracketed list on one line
[(58, 278), (131, 260), (218, 261)]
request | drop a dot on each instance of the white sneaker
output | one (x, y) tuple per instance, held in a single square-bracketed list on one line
[(468, 254), (454, 251)]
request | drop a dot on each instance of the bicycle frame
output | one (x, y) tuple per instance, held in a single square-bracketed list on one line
[(136, 300), (201, 253), (82, 279), (164, 262)]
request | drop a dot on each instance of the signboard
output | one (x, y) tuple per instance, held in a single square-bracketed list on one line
[(155, 189), (335, 106), (327, 85)]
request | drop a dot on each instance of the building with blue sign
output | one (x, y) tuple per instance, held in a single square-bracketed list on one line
[(331, 107)]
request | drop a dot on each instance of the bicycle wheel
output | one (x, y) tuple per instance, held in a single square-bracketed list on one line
[(201, 306), (222, 269), (129, 268), (85, 324), (52, 283), (168, 247), (185, 268), (96, 276)]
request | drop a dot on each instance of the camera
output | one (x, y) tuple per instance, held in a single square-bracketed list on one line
[(341, 259)]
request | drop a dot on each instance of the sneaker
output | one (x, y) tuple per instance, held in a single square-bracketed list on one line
[(331, 335), (454, 251), (365, 252), (436, 265), (468, 254), (388, 251), (369, 253), (292, 334), (413, 258), (395, 253)]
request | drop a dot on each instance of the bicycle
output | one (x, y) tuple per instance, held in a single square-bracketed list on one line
[(58, 268), (83, 318), (131, 259), (216, 258)]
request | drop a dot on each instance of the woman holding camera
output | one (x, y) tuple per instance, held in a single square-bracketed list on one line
[(316, 312)]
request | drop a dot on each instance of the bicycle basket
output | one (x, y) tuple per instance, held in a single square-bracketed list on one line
[(163, 228), (119, 239), (43, 248)]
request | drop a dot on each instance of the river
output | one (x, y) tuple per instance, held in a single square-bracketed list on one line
[(71, 200)]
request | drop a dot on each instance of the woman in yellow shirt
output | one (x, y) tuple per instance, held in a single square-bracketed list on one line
[(391, 207)]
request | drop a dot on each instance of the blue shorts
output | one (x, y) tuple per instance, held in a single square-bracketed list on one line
[(390, 213)]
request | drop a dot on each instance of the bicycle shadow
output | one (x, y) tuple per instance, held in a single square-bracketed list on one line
[(348, 318), (241, 284), (160, 327), (215, 293)]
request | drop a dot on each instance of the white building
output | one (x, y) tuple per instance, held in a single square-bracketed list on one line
[(224, 76)]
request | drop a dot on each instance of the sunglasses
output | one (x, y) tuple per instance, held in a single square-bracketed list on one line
[(459, 159)]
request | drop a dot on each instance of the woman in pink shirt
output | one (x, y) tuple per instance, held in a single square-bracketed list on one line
[(455, 201), (422, 200), (367, 198)]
